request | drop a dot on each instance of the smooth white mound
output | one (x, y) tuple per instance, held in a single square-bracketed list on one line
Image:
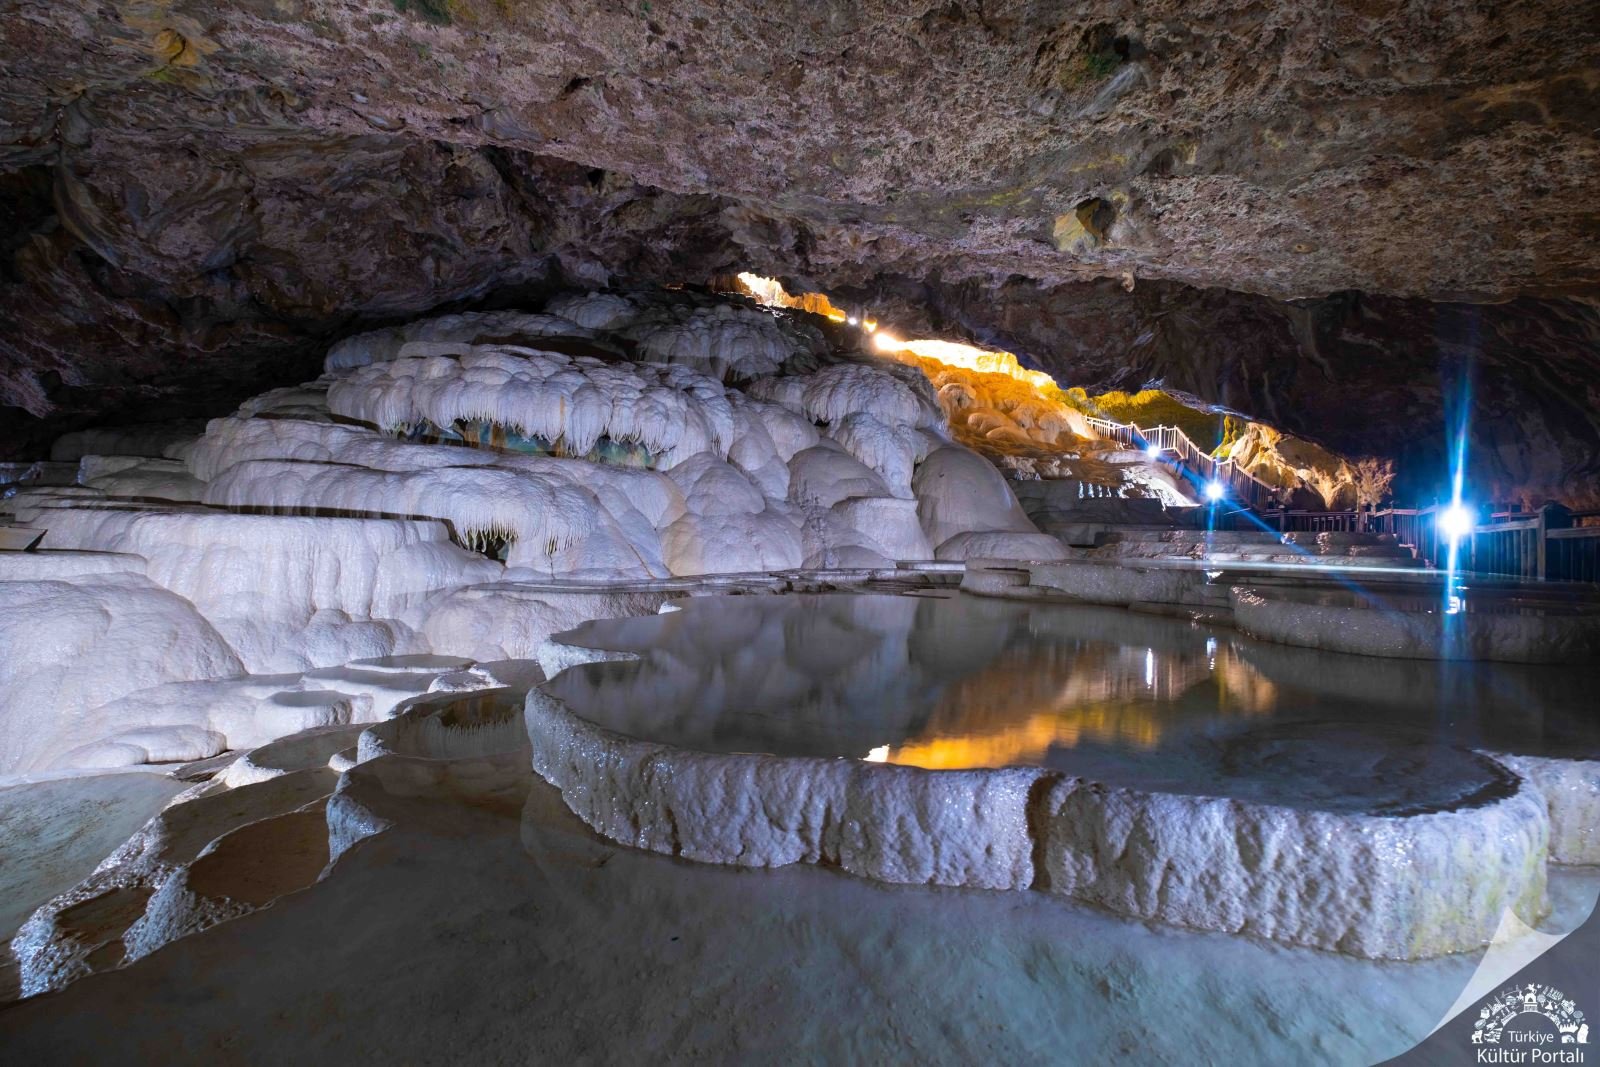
[(510, 622), (729, 527), (47, 565), (890, 526), (959, 492), (767, 540), (159, 479), (71, 644), (287, 592), (826, 474)]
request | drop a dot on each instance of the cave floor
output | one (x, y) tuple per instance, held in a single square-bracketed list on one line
[(510, 933)]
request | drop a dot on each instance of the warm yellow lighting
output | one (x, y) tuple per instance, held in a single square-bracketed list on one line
[(770, 292), (886, 342), (869, 325), (981, 360), (766, 290), (1015, 714)]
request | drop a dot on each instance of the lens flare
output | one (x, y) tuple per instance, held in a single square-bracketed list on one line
[(1152, 450), (1456, 522), (1214, 491)]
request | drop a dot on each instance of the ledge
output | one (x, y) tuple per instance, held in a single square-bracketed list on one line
[(1378, 886)]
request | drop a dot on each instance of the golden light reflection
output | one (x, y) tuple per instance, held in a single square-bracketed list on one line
[(770, 292), (1017, 710), (937, 359), (981, 360)]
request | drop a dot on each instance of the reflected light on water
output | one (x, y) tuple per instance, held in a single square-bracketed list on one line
[(1013, 713), (957, 682)]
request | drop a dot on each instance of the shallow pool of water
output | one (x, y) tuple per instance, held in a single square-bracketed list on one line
[(1155, 703)]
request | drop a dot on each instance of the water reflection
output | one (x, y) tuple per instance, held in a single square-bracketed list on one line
[(957, 682), (1037, 696)]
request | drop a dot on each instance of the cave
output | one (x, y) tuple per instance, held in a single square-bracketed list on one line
[(848, 532)]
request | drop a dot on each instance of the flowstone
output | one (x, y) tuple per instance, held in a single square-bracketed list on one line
[(660, 735)]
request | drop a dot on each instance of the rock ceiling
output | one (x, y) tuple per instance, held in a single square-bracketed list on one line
[(1295, 211)]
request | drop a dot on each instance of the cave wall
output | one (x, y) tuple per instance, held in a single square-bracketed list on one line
[(1359, 373), (1317, 215)]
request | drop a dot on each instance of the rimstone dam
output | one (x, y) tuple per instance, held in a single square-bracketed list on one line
[(942, 533)]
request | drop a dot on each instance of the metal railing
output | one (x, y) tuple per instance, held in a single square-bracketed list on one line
[(1192, 461), (1551, 543)]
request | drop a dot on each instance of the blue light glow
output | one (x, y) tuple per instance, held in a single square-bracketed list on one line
[(1214, 491)]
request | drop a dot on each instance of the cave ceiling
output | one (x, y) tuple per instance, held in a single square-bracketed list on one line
[(1293, 211)]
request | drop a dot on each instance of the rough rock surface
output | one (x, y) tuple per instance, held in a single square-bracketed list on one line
[(1369, 885), (197, 196)]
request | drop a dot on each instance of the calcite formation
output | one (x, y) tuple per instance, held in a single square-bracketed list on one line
[(713, 735), (1514, 627), (455, 283), (1379, 885), (216, 591)]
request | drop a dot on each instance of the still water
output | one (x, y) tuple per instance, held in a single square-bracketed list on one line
[(956, 681)]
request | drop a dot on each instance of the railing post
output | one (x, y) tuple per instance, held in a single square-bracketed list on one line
[(1541, 553)]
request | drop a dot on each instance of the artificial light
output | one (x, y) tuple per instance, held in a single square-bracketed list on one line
[(1456, 522)]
